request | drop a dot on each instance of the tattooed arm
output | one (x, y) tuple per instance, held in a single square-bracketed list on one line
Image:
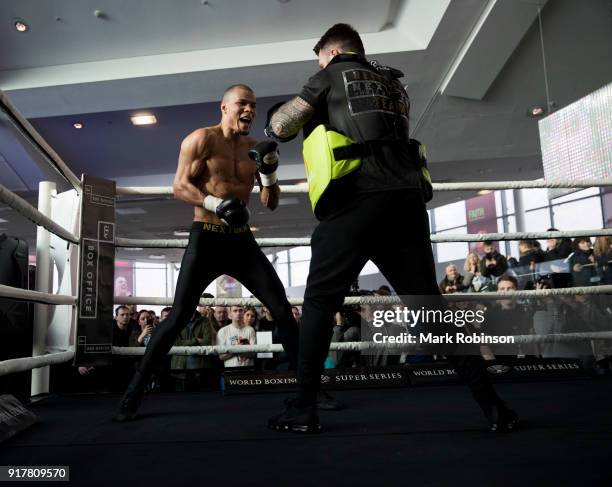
[(287, 121)]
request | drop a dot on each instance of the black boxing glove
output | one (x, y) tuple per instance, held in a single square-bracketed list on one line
[(265, 155), (268, 130), (231, 211)]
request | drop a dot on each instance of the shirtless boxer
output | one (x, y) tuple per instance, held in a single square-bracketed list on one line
[(216, 171)]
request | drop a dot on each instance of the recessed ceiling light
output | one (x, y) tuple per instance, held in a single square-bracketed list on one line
[(254, 229), (181, 233), (484, 191), (77, 125), (21, 26), (157, 256), (132, 249), (536, 111), (143, 119)]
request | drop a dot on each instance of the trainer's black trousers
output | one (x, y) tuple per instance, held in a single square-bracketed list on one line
[(214, 250), (390, 228)]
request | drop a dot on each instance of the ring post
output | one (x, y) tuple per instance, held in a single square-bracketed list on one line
[(44, 275)]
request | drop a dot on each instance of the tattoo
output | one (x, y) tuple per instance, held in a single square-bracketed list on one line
[(291, 117)]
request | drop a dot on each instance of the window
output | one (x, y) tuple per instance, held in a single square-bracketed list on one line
[(537, 220), (535, 198), (299, 273), (578, 215), (282, 257), (150, 281), (369, 268), (576, 195), (283, 273), (448, 251), (449, 216), (298, 254), (509, 195)]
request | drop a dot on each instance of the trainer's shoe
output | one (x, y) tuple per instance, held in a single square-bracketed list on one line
[(296, 419), (131, 400), (327, 402), (502, 419)]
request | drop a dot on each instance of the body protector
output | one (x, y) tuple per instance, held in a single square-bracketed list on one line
[(373, 110)]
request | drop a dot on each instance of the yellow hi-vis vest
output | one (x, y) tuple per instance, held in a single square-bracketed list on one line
[(321, 166)]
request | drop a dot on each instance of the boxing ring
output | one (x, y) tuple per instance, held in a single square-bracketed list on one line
[(384, 433)]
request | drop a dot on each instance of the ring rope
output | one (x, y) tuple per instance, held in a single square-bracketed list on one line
[(28, 211), (435, 238), (12, 366), (28, 363), (489, 296), (40, 144), (465, 186), (35, 296), (357, 346)]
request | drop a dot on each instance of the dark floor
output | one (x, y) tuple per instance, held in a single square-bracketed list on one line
[(411, 436)]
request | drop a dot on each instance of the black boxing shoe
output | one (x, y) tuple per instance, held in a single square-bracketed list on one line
[(327, 402), (502, 419), (296, 419), (131, 400)]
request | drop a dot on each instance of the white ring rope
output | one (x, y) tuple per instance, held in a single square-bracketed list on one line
[(28, 363), (540, 183), (358, 346), (12, 366), (466, 186), (435, 238), (27, 210), (35, 296), (47, 151), (168, 191), (489, 296)]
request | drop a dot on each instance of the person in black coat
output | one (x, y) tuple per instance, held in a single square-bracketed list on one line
[(582, 262)]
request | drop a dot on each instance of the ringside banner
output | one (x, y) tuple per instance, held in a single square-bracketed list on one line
[(240, 382), (96, 273)]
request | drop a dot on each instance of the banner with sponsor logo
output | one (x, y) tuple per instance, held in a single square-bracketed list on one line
[(507, 369), (96, 273), (501, 370), (241, 382), (481, 217)]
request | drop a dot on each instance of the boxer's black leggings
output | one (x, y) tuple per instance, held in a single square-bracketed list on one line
[(392, 229), (214, 250)]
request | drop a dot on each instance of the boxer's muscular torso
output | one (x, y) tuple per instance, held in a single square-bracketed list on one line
[(220, 167)]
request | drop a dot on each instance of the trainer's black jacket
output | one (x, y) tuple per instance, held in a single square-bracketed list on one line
[(354, 97)]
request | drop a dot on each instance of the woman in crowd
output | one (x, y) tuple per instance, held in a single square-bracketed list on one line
[(473, 280), (603, 257), (582, 263), (142, 334), (250, 317)]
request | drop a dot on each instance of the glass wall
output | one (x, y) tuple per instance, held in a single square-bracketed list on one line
[(576, 211)]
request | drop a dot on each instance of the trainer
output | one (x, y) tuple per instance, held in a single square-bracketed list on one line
[(368, 183)]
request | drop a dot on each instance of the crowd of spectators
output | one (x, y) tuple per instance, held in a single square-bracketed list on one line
[(564, 263)]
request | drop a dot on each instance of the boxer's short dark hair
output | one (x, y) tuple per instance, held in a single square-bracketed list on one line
[(231, 88), (344, 35)]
